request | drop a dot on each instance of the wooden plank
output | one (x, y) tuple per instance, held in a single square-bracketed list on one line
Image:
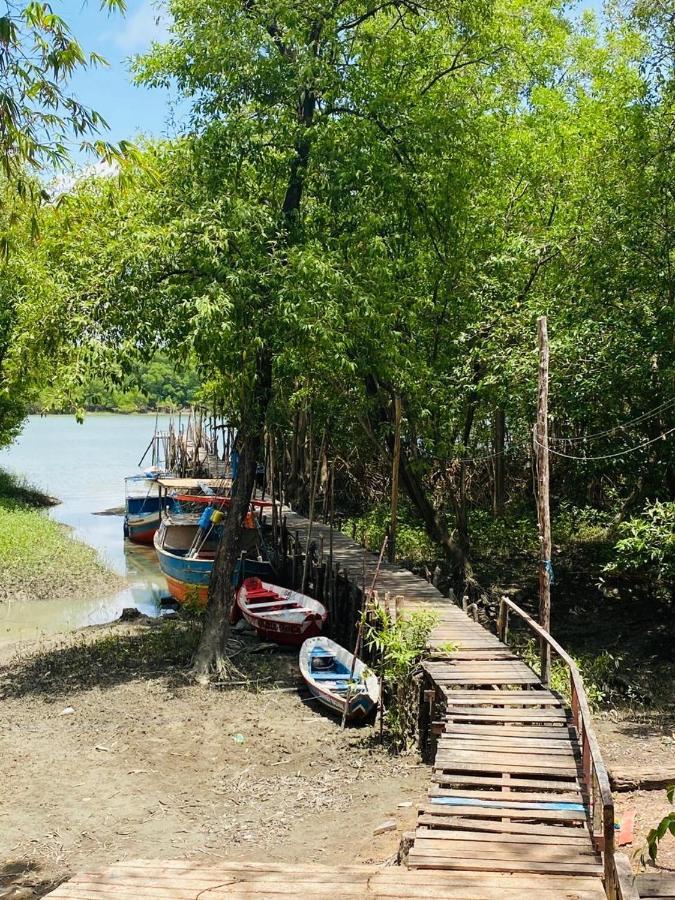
[(633, 779), (495, 714), (497, 694), (524, 796), (479, 812), (578, 837), (463, 891), (510, 744), (511, 768), (515, 781), (661, 886), (535, 762), (431, 859), (486, 742), (543, 731), (501, 698), (508, 827), (488, 675), (569, 853)]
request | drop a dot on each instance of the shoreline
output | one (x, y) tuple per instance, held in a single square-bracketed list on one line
[(40, 559)]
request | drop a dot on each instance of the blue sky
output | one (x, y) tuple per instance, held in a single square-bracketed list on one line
[(128, 109)]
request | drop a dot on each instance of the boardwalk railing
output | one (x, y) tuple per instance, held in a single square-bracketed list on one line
[(601, 804)]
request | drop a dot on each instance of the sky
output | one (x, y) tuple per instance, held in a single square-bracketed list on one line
[(130, 110)]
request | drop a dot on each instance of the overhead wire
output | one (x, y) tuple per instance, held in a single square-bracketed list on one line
[(590, 437), (663, 406), (608, 455)]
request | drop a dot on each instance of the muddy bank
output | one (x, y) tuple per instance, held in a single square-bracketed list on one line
[(39, 558), (109, 753)]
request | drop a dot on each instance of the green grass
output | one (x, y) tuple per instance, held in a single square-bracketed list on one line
[(39, 559), (14, 491)]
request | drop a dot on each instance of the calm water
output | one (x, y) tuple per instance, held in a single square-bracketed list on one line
[(85, 467)]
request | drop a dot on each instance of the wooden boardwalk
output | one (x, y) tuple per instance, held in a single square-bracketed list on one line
[(507, 792), (186, 880), (507, 812)]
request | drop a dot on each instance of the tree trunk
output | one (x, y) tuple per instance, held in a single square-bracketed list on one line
[(211, 656)]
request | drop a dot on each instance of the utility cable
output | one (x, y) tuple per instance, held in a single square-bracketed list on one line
[(608, 455), (590, 437)]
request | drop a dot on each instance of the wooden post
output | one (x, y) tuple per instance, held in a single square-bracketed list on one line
[(311, 509), (543, 506), (499, 427), (396, 458)]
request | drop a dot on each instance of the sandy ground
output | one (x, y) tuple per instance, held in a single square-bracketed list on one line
[(644, 741), (107, 753), (146, 765)]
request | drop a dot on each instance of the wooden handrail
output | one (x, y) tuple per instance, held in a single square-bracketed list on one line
[(595, 773)]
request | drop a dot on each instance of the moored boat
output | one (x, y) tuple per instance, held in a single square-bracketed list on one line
[(143, 506), (327, 669), (280, 614), (186, 547)]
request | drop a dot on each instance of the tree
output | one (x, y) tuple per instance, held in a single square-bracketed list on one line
[(38, 114), (379, 200)]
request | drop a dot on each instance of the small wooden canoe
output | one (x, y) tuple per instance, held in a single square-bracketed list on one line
[(327, 667), (279, 614)]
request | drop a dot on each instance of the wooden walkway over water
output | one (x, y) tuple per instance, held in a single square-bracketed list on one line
[(509, 813)]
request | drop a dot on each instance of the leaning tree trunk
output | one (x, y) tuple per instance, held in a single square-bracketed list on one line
[(211, 656)]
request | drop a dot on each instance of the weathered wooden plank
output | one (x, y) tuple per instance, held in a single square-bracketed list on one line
[(486, 742), (480, 812), (512, 768), (534, 761), (501, 698), (432, 859), (523, 796), (496, 849), (577, 837), (494, 728), (514, 781), (495, 714), (656, 886), (508, 826)]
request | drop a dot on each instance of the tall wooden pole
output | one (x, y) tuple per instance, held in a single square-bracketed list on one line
[(543, 506), (499, 428), (396, 459)]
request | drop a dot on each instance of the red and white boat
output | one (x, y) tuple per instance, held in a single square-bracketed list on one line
[(279, 614)]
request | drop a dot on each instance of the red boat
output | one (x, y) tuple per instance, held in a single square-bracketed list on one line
[(279, 614)]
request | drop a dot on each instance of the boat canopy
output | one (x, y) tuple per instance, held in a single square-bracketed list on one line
[(193, 484)]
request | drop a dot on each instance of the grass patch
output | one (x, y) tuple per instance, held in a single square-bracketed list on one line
[(39, 560), (16, 491)]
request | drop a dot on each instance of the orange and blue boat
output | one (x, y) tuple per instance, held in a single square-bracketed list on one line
[(186, 547)]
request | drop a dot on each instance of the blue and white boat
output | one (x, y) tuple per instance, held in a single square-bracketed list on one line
[(327, 669), (143, 506)]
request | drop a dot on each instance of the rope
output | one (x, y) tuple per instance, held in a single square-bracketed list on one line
[(590, 437), (608, 455)]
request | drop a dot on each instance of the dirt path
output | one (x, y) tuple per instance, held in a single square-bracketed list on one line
[(146, 765)]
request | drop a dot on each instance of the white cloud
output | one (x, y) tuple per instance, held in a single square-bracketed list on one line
[(150, 22)]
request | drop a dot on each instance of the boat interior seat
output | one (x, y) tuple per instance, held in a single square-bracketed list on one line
[(333, 676), (275, 604)]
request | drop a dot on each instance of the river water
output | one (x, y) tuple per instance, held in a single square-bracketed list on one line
[(85, 467)]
